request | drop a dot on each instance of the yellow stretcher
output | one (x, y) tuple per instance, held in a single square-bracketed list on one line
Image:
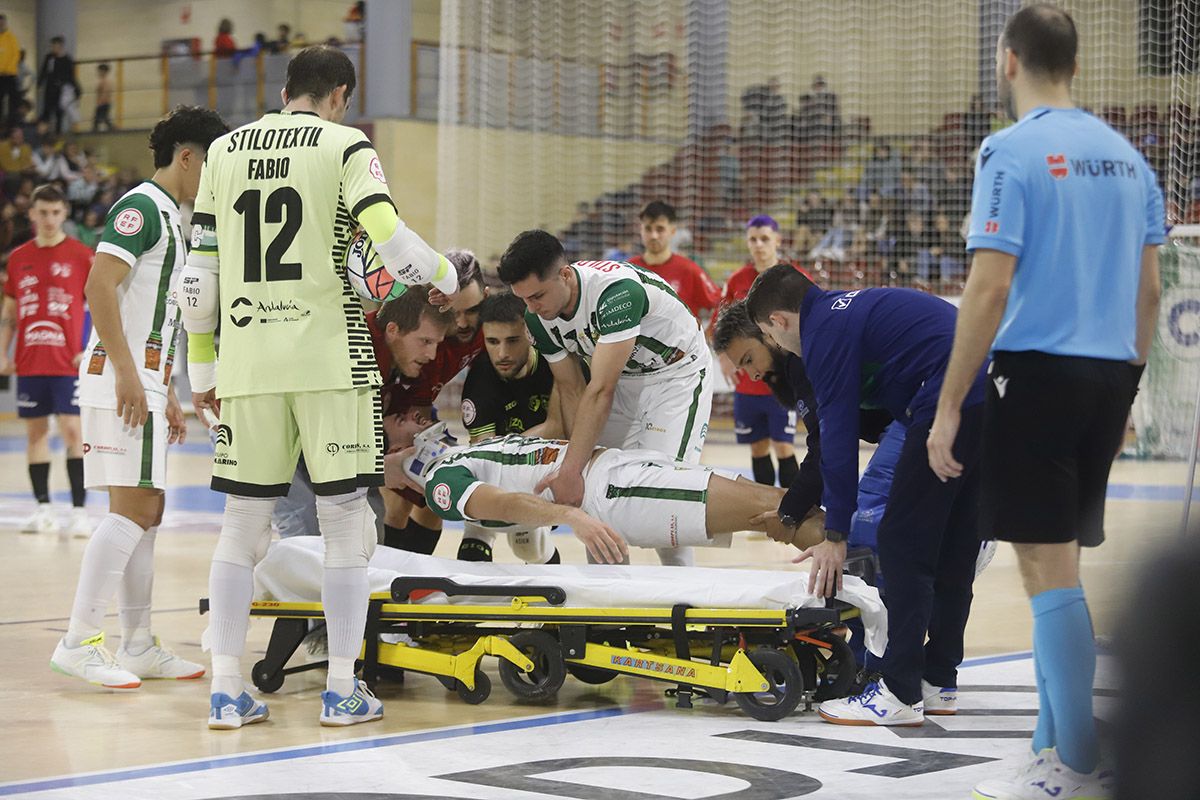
[(768, 660)]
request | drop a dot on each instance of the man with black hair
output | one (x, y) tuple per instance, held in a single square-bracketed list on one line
[(1064, 289), (887, 349), (687, 278), (129, 413), (509, 389), (277, 204), (56, 74), (649, 388)]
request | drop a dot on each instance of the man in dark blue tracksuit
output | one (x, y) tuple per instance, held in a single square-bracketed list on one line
[(888, 349)]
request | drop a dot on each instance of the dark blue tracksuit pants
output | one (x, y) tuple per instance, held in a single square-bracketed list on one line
[(928, 544)]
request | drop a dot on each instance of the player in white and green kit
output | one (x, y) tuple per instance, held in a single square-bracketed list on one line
[(278, 202), (128, 409), (651, 383), (641, 497)]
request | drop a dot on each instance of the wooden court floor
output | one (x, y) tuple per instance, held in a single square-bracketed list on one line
[(57, 726)]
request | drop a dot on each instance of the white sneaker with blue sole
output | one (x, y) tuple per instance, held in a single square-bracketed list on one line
[(226, 713), (360, 706)]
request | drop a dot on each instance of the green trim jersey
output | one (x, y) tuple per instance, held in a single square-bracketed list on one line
[(513, 463), (145, 231), (617, 302), (283, 194)]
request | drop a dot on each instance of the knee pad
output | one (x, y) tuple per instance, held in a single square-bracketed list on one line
[(532, 547), (245, 530), (347, 528)]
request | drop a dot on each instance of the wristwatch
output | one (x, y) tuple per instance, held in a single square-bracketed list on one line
[(788, 521), (834, 536)]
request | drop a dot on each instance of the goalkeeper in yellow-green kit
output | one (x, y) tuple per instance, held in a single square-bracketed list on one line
[(278, 201)]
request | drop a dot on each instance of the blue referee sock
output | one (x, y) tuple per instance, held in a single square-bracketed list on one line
[(1066, 657), (1043, 734)]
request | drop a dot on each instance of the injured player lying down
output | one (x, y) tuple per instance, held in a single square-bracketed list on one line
[(638, 497)]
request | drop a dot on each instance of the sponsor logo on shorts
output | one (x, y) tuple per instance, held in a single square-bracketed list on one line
[(468, 412), (1001, 385), (224, 461), (128, 222), (105, 449), (87, 448), (650, 426), (240, 321), (333, 448), (224, 436), (649, 665), (441, 496)]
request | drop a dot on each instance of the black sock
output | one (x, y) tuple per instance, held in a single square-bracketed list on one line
[(555, 559), (75, 474), (415, 538), (764, 470), (788, 468), (392, 536), (474, 550), (39, 476)]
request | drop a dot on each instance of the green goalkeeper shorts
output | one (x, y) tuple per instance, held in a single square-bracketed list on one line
[(260, 438)]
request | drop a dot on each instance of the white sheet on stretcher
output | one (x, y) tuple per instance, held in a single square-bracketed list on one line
[(292, 572)]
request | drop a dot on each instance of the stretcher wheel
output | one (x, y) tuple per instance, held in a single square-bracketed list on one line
[(549, 671), (785, 686), (837, 671), (264, 679), (591, 675), (481, 692)]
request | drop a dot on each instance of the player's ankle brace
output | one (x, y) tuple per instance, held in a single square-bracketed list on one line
[(764, 470), (416, 538), (474, 550)]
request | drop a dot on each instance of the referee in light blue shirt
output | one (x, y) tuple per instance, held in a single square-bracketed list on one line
[(1066, 220)]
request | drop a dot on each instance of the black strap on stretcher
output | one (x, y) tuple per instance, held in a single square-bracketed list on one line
[(404, 586), (683, 692)]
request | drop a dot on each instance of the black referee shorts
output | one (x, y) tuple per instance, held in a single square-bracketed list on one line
[(1052, 426)]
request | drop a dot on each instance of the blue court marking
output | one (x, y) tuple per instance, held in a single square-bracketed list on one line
[(983, 661), (289, 754)]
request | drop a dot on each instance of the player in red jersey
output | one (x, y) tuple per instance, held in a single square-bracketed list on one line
[(408, 401), (43, 311), (758, 420), (686, 277)]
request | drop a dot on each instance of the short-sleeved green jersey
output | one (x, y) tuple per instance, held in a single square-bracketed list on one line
[(283, 194), (617, 302), (143, 230)]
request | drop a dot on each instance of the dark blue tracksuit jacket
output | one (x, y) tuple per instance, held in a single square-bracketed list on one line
[(872, 349)]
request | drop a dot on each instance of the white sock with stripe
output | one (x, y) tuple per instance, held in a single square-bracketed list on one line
[(104, 561)]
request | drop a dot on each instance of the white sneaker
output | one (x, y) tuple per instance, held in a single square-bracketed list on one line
[(1045, 776), (93, 663), (361, 706), (157, 661), (41, 521), (876, 705), (987, 551), (939, 701), (80, 526)]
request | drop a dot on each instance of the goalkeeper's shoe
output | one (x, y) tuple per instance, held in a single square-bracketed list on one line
[(93, 663), (359, 706), (227, 713)]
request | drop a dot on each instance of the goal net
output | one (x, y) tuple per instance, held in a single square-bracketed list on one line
[(852, 123)]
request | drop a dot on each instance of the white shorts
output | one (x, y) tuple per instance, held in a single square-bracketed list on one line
[(650, 499), (116, 455), (666, 415)]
